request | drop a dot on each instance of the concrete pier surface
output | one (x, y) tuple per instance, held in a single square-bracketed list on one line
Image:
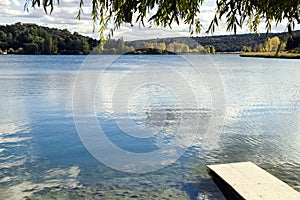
[(245, 180)]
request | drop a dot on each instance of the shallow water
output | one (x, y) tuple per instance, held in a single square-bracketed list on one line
[(43, 157)]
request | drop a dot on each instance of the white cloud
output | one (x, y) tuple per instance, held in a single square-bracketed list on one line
[(5, 3), (12, 13), (16, 3)]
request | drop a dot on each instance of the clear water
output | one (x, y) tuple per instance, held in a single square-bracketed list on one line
[(42, 156)]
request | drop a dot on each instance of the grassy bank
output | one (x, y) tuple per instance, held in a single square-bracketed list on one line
[(271, 55)]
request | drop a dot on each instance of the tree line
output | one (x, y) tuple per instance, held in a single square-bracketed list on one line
[(120, 46), (27, 38), (276, 44), (33, 39)]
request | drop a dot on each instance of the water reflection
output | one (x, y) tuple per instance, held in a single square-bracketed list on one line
[(41, 155), (121, 95), (28, 99)]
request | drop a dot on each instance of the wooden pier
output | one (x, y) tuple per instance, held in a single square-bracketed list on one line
[(247, 181)]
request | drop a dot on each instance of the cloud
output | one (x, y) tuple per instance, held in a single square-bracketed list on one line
[(137, 33), (5, 3), (16, 3)]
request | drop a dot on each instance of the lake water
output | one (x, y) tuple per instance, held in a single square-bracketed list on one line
[(43, 156)]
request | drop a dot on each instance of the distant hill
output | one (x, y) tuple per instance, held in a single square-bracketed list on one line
[(293, 45), (224, 43), (234, 43), (25, 38)]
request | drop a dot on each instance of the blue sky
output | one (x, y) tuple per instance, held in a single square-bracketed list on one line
[(64, 16)]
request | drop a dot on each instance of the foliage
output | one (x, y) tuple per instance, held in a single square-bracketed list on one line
[(246, 49), (164, 46), (210, 49), (33, 39), (237, 12), (223, 43), (274, 44), (227, 43)]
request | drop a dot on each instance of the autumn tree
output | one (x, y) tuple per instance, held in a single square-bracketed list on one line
[(271, 45)]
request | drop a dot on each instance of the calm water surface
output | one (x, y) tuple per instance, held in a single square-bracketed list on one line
[(42, 156)]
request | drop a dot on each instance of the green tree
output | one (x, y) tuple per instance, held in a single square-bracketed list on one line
[(31, 48), (47, 45), (85, 47), (2, 35), (261, 48), (19, 50), (165, 12), (121, 44), (212, 49), (54, 49), (10, 51), (9, 36), (68, 42), (207, 49), (246, 49), (36, 39)]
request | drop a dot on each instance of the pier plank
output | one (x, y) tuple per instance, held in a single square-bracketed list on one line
[(250, 182)]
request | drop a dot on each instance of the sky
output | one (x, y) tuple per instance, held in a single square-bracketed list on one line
[(64, 16)]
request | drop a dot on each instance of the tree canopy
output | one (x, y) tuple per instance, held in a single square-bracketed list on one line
[(25, 38), (238, 13)]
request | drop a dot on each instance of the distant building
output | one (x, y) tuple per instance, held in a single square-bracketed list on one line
[(24, 24)]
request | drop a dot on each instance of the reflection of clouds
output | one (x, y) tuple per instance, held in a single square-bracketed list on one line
[(72, 172), (14, 127), (14, 117), (12, 140), (14, 123), (262, 114), (7, 179), (254, 89), (10, 164), (54, 178), (142, 79), (155, 105), (11, 128), (20, 92)]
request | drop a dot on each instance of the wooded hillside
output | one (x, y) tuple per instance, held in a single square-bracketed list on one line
[(25, 38), (33, 39)]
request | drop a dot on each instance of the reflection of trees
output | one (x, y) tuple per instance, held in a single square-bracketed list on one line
[(161, 116)]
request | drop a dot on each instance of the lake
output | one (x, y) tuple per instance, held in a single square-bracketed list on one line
[(143, 126)]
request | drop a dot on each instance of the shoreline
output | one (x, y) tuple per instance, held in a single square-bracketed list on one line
[(228, 52), (283, 55)]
